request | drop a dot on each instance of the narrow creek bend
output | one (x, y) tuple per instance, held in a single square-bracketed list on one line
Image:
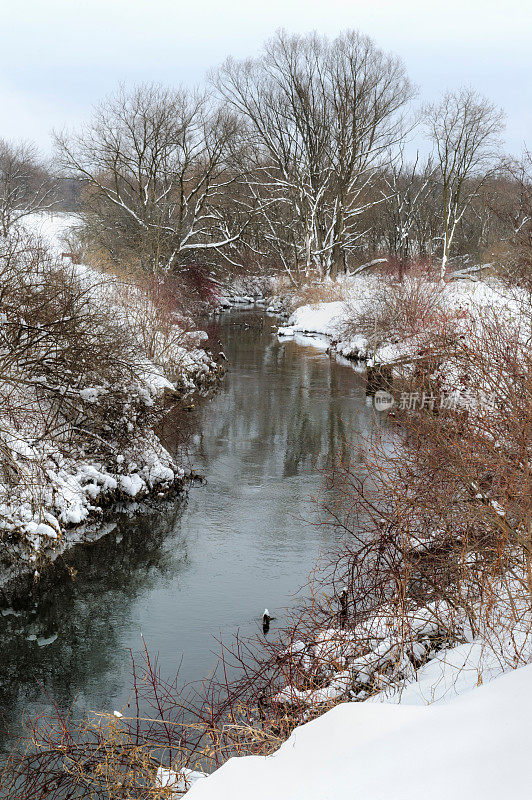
[(186, 570)]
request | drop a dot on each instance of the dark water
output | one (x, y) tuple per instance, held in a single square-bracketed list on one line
[(187, 570)]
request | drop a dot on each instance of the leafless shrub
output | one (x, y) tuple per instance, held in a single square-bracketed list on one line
[(79, 354), (314, 292), (513, 207), (54, 334), (409, 310)]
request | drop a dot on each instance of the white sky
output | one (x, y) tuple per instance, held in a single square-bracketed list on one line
[(59, 57)]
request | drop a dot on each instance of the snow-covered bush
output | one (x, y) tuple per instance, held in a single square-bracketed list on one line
[(81, 391)]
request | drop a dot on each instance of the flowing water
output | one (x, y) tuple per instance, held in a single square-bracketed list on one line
[(187, 570)]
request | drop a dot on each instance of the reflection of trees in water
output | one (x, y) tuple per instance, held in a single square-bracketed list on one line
[(297, 414), (86, 613)]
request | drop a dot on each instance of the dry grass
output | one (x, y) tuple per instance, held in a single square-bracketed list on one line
[(311, 293)]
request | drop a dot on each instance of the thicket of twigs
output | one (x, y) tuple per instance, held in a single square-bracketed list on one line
[(399, 311)]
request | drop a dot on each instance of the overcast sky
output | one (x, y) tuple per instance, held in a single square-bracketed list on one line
[(59, 57)]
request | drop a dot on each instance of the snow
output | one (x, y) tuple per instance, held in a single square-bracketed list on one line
[(131, 484), (433, 725), (473, 746), (91, 393), (177, 782), (324, 318), (41, 529), (44, 641), (451, 672), (52, 228)]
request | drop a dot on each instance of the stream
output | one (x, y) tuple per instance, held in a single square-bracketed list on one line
[(184, 571)]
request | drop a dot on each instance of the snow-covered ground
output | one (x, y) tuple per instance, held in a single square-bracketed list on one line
[(472, 747), (52, 228), (456, 726), (332, 319)]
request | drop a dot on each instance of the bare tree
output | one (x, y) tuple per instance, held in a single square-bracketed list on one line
[(25, 184), (154, 162), (511, 203), (321, 116), (405, 189), (464, 128)]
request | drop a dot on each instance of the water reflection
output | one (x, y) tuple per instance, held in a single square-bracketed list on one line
[(65, 635), (184, 571)]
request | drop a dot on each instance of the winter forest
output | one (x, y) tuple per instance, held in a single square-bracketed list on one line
[(266, 341)]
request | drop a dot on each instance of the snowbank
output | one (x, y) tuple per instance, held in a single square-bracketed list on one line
[(474, 746), (324, 318), (327, 320), (331, 320), (177, 783)]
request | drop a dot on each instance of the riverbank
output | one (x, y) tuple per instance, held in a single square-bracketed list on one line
[(354, 324), (94, 365)]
